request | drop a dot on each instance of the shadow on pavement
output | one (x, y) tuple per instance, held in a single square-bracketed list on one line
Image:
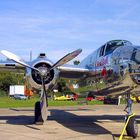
[(84, 124)]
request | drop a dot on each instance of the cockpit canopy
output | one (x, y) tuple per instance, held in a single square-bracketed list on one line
[(110, 46)]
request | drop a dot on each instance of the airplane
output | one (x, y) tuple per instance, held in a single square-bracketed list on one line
[(117, 62)]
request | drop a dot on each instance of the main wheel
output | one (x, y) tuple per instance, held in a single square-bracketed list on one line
[(132, 128), (37, 114)]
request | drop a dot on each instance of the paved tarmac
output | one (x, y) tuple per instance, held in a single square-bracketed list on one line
[(97, 122)]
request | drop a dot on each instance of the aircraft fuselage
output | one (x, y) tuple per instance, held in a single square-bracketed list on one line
[(117, 61)]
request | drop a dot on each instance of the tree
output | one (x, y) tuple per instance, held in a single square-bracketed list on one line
[(9, 78), (76, 62), (62, 87)]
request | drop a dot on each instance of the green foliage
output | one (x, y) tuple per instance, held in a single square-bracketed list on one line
[(2, 93), (62, 87), (95, 87), (9, 78), (76, 62)]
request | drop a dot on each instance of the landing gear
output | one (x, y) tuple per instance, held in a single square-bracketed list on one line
[(131, 123), (132, 127)]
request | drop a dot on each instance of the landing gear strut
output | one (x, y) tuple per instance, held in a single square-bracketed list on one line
[(131, 124)]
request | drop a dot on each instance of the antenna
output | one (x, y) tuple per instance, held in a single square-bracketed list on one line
[(30, 55)]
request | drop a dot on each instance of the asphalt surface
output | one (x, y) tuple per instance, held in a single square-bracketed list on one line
[(97, 122)]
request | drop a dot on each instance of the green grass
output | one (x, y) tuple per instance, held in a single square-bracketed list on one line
[(90, 88), (6, 102)]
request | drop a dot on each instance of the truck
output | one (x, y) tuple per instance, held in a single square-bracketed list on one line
[(16, 89)]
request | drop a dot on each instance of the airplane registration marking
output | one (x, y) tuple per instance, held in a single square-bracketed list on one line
[(102, 62)]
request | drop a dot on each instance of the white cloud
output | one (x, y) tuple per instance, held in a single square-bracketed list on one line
[(61, 33)]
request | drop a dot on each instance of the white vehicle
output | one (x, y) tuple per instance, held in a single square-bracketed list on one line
[(16, 89), (20, 97)]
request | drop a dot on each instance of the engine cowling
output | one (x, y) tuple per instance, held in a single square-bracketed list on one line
[(34, 78)]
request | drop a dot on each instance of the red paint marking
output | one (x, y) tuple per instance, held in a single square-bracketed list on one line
[(102, 62), (104, 72)]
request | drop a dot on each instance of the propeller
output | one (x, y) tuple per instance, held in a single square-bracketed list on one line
[(66, 58), (43, 73), (60, 62), (17, 59), (44, 101)]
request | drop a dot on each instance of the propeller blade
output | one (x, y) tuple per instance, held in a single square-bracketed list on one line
[(66, 58), (16, 58), (44, 103)]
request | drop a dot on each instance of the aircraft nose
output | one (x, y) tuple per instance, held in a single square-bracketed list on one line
[(134, 68), (136, 55)]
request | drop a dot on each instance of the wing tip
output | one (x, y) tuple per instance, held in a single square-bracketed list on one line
[(2, 51)]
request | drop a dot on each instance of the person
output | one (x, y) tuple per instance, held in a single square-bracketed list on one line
[(104, 72), (128, 108)]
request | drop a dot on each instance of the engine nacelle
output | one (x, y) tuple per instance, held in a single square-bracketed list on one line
[(34, 78)]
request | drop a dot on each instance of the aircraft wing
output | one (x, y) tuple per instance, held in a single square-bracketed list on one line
[(11, 66), (74, 72), (66, 71)]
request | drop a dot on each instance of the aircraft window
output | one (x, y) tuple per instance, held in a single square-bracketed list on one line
[(112, 45), (102, 51), (127, 43)]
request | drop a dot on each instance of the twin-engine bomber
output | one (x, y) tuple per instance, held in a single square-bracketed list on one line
[(117, 62)]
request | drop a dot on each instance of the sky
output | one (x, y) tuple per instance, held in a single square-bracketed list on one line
[(58, 27)]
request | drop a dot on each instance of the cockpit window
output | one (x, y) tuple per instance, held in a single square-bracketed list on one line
[(112, 45), (102, 51), (127, 43)]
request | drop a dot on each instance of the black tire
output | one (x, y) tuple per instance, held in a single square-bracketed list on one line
[(132, 128), (38, 117)]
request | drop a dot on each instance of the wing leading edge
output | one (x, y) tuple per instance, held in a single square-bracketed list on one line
[(73, 72), (11, 66)]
